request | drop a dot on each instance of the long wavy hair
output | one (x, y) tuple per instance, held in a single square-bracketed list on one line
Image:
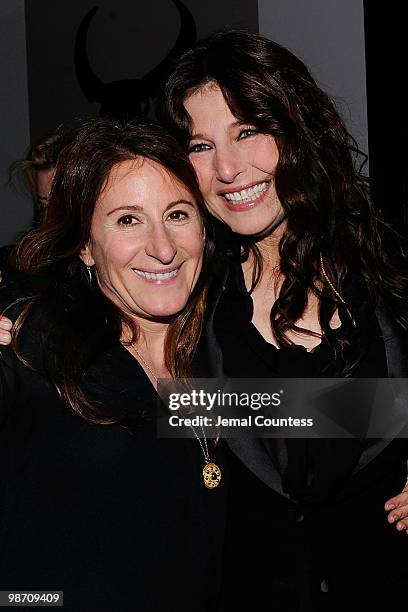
[(318, 181), (80, 322)]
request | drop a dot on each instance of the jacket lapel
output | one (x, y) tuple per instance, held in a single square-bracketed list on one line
[(395, 342), (254, 456)]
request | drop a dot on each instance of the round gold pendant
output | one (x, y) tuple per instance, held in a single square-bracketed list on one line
[(211, 475)]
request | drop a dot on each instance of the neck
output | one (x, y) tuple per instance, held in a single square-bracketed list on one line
[(269, 251), (150, 346), (151, 333)]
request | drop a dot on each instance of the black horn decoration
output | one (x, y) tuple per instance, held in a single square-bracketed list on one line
[(130, 97)]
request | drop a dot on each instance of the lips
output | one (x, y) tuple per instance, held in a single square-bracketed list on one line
[(158, 277), (246, 197)]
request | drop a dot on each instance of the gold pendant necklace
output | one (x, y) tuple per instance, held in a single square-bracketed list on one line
[(211, 471), (211, 475), (333, 288)]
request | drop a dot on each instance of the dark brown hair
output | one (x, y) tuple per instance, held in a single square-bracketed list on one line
[(323, 194), (77, 313)]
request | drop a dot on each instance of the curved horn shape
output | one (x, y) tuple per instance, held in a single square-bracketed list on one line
[(90, 84), (153, 80)]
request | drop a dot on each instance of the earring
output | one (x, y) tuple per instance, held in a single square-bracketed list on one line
[(89, 271)]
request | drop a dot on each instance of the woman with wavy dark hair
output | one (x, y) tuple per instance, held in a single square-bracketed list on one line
[(315, 286), (92, 503)]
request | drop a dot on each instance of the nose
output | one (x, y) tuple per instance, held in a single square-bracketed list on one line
[(161, 245), (228, 164)]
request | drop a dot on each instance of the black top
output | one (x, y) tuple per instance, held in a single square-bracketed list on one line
[(311, 469), (325, 546), (110, 514)]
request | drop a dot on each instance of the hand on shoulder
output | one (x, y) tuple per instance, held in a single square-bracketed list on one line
[(397, 508), (5, 328)]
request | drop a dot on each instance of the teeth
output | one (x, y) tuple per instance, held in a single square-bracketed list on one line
[(156, 276), (246, 195)]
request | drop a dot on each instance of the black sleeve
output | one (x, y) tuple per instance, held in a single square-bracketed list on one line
[(10, 366), (8, 381)]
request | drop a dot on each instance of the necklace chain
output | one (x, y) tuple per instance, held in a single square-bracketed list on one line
[(333, 288), (146, 365), (204, 447)]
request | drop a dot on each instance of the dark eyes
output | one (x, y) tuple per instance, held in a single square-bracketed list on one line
[(127, 220), (246, 133), (198, 148), (178, 215), (174, 215)]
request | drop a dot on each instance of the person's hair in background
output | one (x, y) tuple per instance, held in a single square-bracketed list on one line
[(52, 252), (37, 170), (328, 213)]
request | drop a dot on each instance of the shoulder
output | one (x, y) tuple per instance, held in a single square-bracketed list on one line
[(17, 295), (15, 286)]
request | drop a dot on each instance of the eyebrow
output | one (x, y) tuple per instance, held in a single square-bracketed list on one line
[(137, 208)]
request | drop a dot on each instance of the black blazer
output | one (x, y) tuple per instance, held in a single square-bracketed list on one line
[(334, 555), (116, 518)]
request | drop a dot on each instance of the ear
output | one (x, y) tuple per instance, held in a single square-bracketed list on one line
[(86, 256)]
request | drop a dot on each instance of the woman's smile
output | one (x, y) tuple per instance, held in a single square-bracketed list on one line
[(159, 277), (246, 197)]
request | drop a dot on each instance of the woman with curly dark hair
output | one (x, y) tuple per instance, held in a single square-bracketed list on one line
[(314, 284)]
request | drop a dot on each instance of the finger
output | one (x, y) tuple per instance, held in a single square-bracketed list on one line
[(402, 525), (5, 338), (399, 513), (398, 500), (5, 324)]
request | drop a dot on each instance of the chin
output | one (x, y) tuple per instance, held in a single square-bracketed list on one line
[(165, 310), (249, 228), (257, 226)]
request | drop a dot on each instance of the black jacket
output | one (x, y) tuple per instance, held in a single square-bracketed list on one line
[(335, 555), (116, 518)]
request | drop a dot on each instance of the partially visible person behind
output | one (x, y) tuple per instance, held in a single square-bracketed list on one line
[(37, 170)]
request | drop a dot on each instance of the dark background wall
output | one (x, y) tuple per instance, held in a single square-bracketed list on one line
[(387, 88), (328, 35), (126, 39), (356, 51), (15, 209)]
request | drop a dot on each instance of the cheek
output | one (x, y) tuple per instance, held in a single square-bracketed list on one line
[(266, 156), (204, 174), (112, 253), (193, 244)]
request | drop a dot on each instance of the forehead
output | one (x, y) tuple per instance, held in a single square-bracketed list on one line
[(141, 181), (208, 109)]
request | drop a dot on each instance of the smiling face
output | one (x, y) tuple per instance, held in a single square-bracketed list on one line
[(146, 240), (235, 165)]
